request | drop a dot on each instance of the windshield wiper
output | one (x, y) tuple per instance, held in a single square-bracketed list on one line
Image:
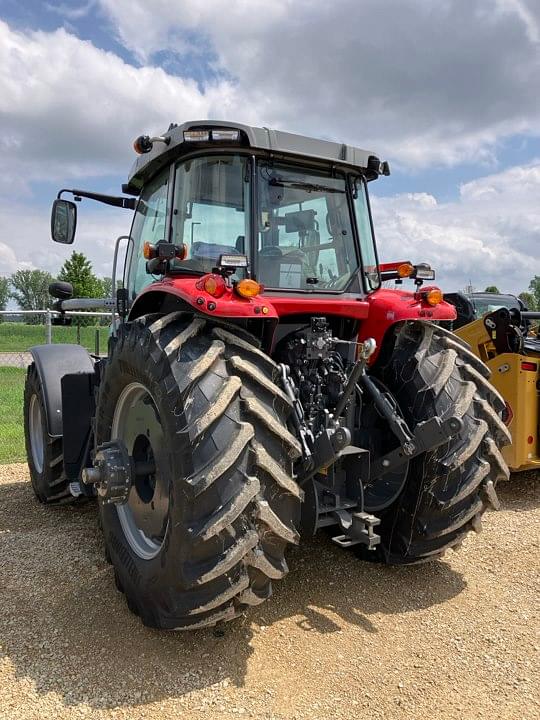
[(312, 187)]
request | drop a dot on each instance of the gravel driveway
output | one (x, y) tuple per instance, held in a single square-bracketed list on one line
[(341, 639)]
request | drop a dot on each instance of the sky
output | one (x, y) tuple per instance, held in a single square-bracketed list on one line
[(446, 91)]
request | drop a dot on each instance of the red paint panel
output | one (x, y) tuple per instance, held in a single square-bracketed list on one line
[(229, 305), (333, 305), (388, 307)]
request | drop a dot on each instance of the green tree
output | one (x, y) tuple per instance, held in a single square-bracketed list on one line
[(77, 270), (4, 294), (528, 300), (106, 283), (492, 289), (534, 288), (30, 290)]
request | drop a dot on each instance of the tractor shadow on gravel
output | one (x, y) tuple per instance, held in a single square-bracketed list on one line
[(66, 629)]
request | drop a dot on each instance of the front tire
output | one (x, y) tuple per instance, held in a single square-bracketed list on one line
[(202, 405), (44, 453), (433, 373)]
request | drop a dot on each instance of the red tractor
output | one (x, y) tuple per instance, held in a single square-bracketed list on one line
[(260, 384)]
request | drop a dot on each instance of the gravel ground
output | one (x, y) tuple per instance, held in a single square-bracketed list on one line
[(341, 639)]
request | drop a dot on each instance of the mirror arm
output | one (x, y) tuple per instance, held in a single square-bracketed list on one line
[(123, 202)]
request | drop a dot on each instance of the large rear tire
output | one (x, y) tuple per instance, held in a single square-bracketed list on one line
[(44, 453), (433, 373), (201, 539)]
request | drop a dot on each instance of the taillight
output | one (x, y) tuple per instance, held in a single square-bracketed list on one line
[(430, 295), (434, 296), (530, 366), (213, 284), (149, 251), (248, 288)]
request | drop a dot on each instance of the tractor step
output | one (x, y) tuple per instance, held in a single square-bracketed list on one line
[(75, 489), (359, 530)]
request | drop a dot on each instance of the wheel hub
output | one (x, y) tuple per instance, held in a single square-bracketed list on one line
[(111, 474), (130, 471)]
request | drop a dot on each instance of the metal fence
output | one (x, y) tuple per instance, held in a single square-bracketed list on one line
[(21, 329)]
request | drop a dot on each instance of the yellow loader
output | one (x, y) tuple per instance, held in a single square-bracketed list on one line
[(504, 338)]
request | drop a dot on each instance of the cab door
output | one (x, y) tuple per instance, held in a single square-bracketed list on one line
[(151, 224)]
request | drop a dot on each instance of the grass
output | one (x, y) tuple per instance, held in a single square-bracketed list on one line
[(18, 337), (11, 415)]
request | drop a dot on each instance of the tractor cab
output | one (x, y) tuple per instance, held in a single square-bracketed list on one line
[(294, 224)]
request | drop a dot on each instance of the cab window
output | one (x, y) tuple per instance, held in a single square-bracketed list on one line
[(304, 239), (211, 211), (149, 225), (370, 268)]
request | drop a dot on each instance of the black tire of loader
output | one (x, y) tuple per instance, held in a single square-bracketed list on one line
[(234, 505), (433, 373), (49, 485)]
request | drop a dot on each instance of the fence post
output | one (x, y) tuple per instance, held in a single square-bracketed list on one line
[(48, 325)]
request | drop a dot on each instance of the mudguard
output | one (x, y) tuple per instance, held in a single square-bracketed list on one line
[(52, 363)]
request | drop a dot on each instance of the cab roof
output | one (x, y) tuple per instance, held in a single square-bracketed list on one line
[(274, 142)]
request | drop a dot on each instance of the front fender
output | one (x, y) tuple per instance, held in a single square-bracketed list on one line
[(52, 363)]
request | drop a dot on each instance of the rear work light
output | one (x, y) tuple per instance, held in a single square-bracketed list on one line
[(227, 135), (196, 135), (423, 271), (208, 135), (233, 261)]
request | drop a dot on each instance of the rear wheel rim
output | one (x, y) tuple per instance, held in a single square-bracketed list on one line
[(144, 517), (35, 423)]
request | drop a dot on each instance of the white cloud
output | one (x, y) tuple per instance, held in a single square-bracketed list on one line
[(419, 82), (526, 13), (69, 109), (26, 238), (422, 82), (490, 235)]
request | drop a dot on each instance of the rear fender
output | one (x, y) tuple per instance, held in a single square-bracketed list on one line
[(247, 314), (389, 308), (184, 293), (52, 363)]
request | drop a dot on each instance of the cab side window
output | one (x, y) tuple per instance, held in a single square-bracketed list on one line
[(149, 225)]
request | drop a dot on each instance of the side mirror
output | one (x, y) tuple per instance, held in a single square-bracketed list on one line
[(61, 290), (63, 221)]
